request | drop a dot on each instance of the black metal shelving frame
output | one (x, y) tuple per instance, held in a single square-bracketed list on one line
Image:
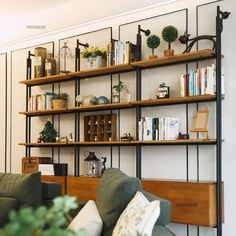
[(218, 57)]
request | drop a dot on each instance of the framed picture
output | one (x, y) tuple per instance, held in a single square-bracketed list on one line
[(201, 122)]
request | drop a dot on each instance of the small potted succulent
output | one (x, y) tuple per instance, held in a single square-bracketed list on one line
[(96, 57), (59, 100), (153, 41), (169, 34)]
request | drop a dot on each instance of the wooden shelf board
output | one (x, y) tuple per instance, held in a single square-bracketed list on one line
[(103, 71), (179, 142), (46, 80), (45, 112), (161, 61), (49, 144), (125, 143), (101, 107), (175, 100), (179, 58), (121, 105)]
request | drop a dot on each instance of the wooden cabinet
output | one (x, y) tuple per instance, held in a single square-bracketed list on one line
[(100, 128)]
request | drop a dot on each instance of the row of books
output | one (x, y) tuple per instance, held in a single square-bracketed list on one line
[(40, 102), (198, 82), (158, 128), (120, 52)]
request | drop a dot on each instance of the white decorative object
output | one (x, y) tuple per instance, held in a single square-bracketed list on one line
[(139, 216), (89, 219), (46, 169), (96, 62)]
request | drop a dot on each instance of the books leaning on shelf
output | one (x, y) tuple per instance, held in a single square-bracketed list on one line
[(200, 82), (40, 101), (120, 52), (158, 128)]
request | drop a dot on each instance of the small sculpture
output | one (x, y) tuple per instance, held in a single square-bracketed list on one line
[(184, 39), (104, 159), (163, 91), (48, 134), (126, 137), (102, 100)]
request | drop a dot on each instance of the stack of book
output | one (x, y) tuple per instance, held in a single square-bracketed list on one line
[(120, 52), (158, 128), (40, 101), (198, 82)]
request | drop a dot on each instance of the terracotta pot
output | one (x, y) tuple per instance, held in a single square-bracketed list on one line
[(153, 57), (58, 104), (168, 52)]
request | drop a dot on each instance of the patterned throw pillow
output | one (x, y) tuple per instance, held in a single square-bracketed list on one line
[(139, 216)]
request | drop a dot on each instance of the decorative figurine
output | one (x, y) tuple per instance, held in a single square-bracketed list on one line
[(153, 41), (126, 137), (163, 91), (70, 139), (184, 39), (48, 134), (104, 159), (64, 139)]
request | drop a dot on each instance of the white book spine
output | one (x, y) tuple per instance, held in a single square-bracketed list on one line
[(182, 86), (203, 80)]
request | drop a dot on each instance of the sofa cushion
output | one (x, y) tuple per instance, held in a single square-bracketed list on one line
[(6, 204), (165, 207), (89, 219), (115, 191), (25, 188), (139, 216)]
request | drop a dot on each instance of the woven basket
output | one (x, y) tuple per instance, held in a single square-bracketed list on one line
[(58, 104)]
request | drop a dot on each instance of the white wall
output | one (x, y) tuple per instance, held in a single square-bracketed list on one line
[(158, 162)]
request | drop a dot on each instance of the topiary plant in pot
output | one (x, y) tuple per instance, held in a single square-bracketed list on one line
[(169, 34), (153, 41)]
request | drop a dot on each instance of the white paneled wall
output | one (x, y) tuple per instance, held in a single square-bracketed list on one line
[(3, 74), (157, 162)]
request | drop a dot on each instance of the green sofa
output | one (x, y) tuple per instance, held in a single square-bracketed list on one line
[(19, 190), (115, 191)]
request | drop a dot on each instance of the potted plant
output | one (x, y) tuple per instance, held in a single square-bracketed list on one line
[(59, 100), (153, 41), (116, 93), (43, 221), (96, 57), (118, 89), (169, 34)]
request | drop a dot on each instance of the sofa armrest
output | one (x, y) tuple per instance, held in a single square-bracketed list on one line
[(50, 191), (165, 207)]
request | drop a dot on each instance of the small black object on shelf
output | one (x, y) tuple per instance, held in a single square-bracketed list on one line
[(183, 136), (163, 91), (60, 169)]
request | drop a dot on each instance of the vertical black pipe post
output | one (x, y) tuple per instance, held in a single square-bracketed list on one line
[(28, 94), (77, 56), (139, 44), (77, 114), (138, 117), (218, 122)]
